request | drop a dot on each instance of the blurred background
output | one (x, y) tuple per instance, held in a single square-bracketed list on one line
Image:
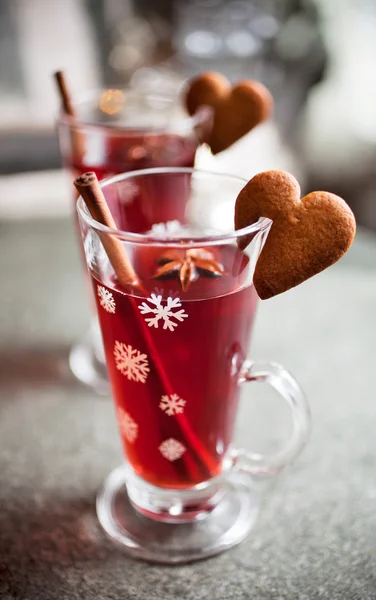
[(317, 58)]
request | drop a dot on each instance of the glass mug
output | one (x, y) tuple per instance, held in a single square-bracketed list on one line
[(176, 349), (117, 131)]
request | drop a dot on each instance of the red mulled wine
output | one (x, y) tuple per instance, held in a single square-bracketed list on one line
[(173, 359)]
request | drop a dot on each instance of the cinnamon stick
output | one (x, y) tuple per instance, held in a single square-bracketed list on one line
[(88, 187), (65, 96), (78, 139)]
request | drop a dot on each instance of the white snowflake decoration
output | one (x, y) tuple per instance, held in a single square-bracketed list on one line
[(163, 312), (172, 449), (131, 362), (161, 292), (91, 248), (172, 404), (106, 299), (169, 228), (128, 427)]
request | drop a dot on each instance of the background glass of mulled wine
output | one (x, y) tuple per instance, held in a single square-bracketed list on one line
[(176, 347), (116, 131)]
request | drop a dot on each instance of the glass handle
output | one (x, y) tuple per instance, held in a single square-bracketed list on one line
[(288, 389)]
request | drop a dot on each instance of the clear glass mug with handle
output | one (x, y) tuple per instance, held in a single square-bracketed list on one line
[(116, 131), (176, 347)]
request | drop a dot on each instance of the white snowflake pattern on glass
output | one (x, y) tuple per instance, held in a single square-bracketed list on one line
[(128, 427), (131, 362), (161, 292), (172, 404), (171, 449), (162, 312), (168, 228), (106, 299)]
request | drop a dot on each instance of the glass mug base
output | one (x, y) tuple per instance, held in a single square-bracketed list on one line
[(181, 525), (87, 361)]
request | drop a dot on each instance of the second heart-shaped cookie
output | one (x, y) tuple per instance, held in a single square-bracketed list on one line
[(307, 235), (236, 109)]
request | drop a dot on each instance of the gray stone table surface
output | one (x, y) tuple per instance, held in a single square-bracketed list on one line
[(316, 534)]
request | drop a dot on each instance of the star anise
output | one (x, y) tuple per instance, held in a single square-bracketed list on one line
[(188, 265)]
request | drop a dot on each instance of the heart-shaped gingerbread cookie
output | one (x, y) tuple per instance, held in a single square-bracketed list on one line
[(307, 235), (237, 109)]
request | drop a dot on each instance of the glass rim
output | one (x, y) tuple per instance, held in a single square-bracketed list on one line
[(169, 240), (180, 125)]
